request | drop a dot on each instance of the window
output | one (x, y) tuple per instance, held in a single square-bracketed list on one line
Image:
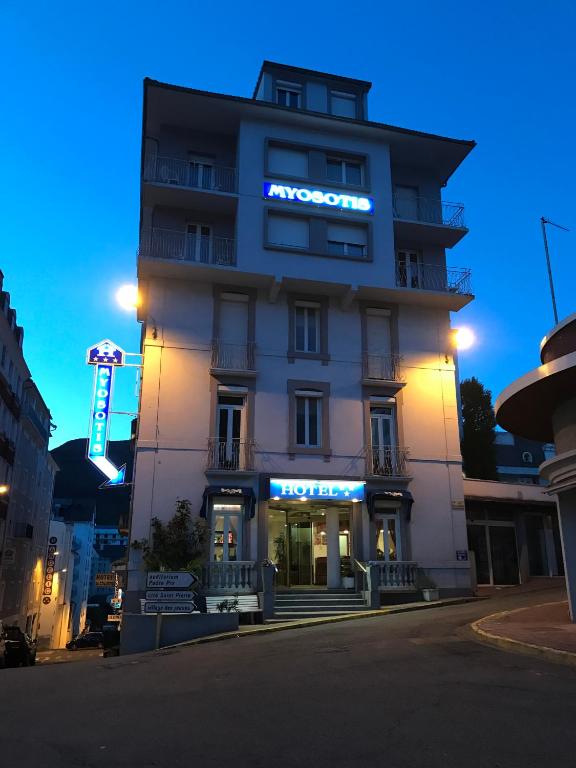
[(230, 428), (198, 245), (226, 530), (382, 454), (409, 269), (201, 173), (289, 94), (345, 171), (288, 161), (291, 231), (347, 240), (527, 457), (343, 104), (307, 327), (388, 543), (308, 418)]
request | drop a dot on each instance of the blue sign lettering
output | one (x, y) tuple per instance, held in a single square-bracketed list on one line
[(341, 490), (275, 191)]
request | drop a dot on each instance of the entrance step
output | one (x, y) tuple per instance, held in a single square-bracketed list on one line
[(296, 604)]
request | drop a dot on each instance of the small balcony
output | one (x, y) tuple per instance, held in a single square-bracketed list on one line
[(426, 221), (386, 461), (237, 358), (162, 169), (382, 370), (172, 245), (233, 455), (434, 277)]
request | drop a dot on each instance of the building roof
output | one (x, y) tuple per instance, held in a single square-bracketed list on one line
[(365, 84), (495, 490)]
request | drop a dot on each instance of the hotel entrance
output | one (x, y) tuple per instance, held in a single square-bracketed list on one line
[(310, 543)]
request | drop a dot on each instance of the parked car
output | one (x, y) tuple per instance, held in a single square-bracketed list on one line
[(19, 648), (86, 640)]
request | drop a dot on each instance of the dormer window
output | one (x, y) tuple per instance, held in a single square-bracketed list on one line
[(289, 94), (343, 104)]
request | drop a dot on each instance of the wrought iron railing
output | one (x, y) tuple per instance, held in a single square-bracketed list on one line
[(428, 211), (390, 574), (186, 173), (387, 461), (230, 455), (382, 367), (183, 246), (232, 576), (433, 277), (233, 357)]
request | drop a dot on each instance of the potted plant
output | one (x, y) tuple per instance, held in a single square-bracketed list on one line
[(347, 574), (428, 587)]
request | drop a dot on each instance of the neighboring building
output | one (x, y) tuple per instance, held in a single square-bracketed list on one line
[(297, 340), (541, 405), (27, 472), (518, 459), (513, 532), (56, 614)]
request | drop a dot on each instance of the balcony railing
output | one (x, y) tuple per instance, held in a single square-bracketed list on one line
[(381, 367), (433, 277), (399, 574), (183, 246), (427, 211), (233, 576), (184, 173), (230, 455), (386, 461), (233, 357)]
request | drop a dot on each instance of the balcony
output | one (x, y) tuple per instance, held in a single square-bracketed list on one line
[(425, 221), (382, 370), (229, 577), (236, 358), (434, 277), (233, 455), (172, 245), (184, 173), (386, 461)]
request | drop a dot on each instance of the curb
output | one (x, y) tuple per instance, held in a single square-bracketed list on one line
[(520, 646), (303, 623)]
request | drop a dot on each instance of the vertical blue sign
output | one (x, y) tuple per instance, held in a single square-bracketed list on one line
[(100, 411)]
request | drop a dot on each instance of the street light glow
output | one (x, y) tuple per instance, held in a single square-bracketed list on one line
[(464, 338), (4, 489), (127, 296)]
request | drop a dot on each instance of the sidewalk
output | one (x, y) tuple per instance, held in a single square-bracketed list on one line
[(543, 630)]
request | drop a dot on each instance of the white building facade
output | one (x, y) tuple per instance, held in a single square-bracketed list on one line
[(298, 379)]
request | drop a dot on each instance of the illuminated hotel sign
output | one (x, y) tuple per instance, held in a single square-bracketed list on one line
[(342, 201), (335, 490), (105, 356)]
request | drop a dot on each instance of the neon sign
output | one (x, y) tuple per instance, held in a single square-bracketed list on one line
[(342, 490), (342, 201), (105, 356)]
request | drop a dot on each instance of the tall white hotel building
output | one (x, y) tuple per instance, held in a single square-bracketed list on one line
[(299, 381)]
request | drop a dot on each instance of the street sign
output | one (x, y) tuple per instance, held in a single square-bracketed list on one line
[(113, 617), (169, 595), (105, 579), (156, 606), (167, 579)]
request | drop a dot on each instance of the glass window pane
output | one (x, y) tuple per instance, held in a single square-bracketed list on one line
[(223, 424), (300, 421), (353, 173), (313, 422), (299, 317), (355, 250), (312, 330), (218, 537), (392, 544), (336, 249), (334, 170)]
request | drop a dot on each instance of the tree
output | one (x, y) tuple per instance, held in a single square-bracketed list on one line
[(180, 544), (478, 433)]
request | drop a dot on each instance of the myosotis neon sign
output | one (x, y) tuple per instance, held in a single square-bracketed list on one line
[(275, 191)]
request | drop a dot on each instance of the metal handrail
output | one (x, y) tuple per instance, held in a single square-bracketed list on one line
[(428, 211), (238, 357), (385, 367), (159, 243), (360, 566), (233, 455), (386, 461), (163, 169), (434, 277)]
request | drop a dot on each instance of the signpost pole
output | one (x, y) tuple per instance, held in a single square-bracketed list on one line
[(158, 630)]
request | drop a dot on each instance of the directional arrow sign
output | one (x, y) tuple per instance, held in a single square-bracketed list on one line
[(169, 595), (154, 606), (167, 579)]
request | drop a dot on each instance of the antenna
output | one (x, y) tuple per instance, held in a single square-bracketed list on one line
[(545, 221)]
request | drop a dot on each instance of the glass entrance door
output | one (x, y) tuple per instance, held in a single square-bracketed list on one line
[(494, 547), (300, 553)]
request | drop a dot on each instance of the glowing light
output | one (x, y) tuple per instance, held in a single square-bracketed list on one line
[(127, 296), (276, 498), (355, 501), (303, 498), (464, 338), (4, 489)]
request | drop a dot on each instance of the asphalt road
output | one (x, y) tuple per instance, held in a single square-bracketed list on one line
[(403, 690)]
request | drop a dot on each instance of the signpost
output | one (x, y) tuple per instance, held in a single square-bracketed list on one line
[(174, 579), (114, 617), (153, 606), (169, 595), (105, 579)]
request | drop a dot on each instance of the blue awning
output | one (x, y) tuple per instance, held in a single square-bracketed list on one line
[(231, 492), (403, 497)]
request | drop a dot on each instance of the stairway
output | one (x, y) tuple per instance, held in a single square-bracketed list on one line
[(309, 604)]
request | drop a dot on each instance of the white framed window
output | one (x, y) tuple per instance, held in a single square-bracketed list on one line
[(308, 418), (388, 539), (383, 458), (347, 240), (343, 104), (306, 326), (226, 541), (291, 231), (198, 245), (288, 161), (201, 172), (344, 171), (410, 273), (230, 429), (289, 94)]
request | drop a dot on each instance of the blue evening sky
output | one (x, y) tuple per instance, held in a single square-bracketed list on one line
[(500, 72)]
